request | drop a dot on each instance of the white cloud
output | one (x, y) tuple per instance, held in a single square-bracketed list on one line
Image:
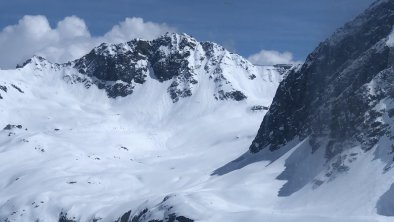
[(72, 27), (69, 40), (132, 28), (271, 57)]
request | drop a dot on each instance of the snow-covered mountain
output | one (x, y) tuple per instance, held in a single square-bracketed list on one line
[(331, 125), (129, 132), (158, 130)]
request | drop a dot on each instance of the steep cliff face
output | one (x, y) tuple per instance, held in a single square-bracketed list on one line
[(334, 95)]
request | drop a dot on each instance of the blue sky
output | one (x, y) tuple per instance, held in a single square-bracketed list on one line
[(245, 27)]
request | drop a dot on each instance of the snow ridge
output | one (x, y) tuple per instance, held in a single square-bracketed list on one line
[(177, 59)]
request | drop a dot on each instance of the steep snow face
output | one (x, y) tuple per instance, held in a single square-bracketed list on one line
[(70, 151), (333, 117)]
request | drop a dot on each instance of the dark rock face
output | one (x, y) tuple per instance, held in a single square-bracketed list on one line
[(147, 215), (120, 68), (117, 68), (63, 218), (235, 95), (104, 64), (175, 63), (333, 95), (142, 216), (258, 108), (17, 88), (3, 88), (125, 217), (10, 127)]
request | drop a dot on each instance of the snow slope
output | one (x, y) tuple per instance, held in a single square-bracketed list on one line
[(72, 152)]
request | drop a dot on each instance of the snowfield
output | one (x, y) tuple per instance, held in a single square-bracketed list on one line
[(68, 149)]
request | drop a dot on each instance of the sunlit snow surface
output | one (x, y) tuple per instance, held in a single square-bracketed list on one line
[(93, 157)]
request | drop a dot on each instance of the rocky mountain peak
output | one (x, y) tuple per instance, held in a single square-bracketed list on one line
[(37, 62), (178, 60)]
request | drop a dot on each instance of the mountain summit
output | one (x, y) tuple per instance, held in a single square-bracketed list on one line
[(174, 59)]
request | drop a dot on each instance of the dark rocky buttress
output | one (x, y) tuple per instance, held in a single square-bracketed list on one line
[(333, 95)]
